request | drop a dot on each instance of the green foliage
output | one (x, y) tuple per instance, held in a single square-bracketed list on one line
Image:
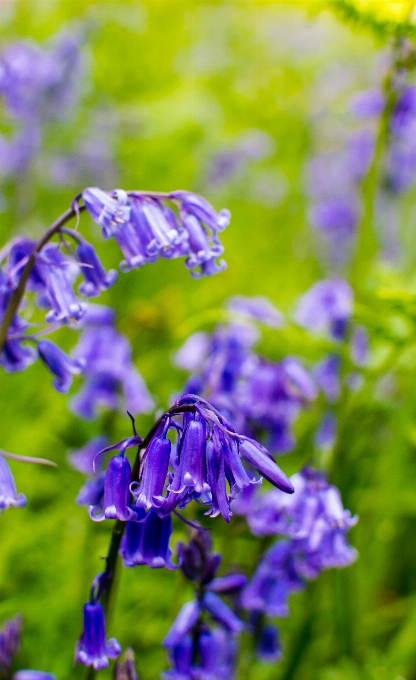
[(184, 80)]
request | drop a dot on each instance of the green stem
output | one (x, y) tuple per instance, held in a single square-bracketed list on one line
[(113, 558), (366, 247), (19, 292)]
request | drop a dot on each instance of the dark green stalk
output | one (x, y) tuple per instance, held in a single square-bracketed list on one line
[(113, 558), (19, 292)]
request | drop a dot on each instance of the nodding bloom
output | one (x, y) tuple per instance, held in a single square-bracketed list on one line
[(208, 454), (315, 524), (326, 307), (146, 227), (96, 279), (313, 516), (209, 654), (274, 580), (51, 280), (8, 492), (9, 641), (146, 541), (59, 364), (110, 377), (92, 648), (115, 504)]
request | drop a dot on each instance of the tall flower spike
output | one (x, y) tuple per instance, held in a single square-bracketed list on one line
[(92, 648), (8, 493)]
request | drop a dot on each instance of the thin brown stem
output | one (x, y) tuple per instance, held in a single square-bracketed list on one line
[(19, 292)]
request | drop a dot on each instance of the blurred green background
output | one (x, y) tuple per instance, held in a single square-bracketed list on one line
[(178, 86)]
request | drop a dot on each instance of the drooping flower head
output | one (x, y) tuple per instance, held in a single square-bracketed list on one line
[(146, 227), (208, 454), (92, 649)]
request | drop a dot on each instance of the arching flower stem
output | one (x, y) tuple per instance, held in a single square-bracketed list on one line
[(19, 291)]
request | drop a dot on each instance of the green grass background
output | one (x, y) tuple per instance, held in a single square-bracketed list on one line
[(184, 79)]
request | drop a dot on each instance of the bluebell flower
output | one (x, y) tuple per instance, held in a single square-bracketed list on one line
[(208, 454), (8, 492), (274, 580), (326, 307), (327, 375), (96, 279), (183, 624), (255, 395), (59, 364), (92, 648), (116, 492), (146, 541), (85, 459), (325, 434), (209, 656), (9, 640), (110, 377)]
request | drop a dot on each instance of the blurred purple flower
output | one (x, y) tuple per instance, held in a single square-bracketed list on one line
[(8, 492), (326, 307), (9, 640)]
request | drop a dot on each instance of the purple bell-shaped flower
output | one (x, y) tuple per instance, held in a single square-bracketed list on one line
[(92, 648), (8, 492), (146, 541), (116, 492)]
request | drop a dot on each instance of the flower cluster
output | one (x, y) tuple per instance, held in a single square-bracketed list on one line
[(256, 394), (196, 650), (36, 85), (314, 524), (206, 455), (146, 227)]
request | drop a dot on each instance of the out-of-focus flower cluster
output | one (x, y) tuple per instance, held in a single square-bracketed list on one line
[(257, 395), (314, 524), (145, 227), (10, 635)]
